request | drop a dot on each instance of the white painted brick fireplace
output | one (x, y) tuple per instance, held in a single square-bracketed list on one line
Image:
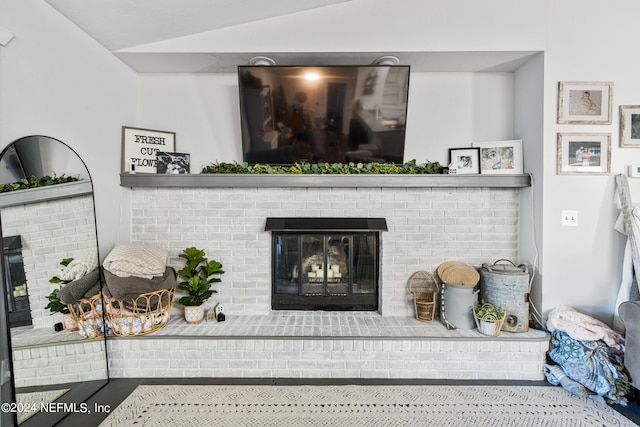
[(427, 226)]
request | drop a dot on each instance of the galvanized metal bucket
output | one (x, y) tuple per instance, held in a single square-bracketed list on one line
[(456, 305), (506, 285)]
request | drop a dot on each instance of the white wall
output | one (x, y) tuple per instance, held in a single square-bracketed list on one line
[(56, 81), (529, 112), (85, 96)]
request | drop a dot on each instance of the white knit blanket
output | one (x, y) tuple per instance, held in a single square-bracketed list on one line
[(134, 259), (581, 327), (80, 266)]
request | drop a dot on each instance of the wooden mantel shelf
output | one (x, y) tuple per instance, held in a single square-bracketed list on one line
[(285, 180)]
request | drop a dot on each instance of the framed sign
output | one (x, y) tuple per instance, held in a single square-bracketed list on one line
[(141, 146), (585, 102), (584, 153), (500, 157)]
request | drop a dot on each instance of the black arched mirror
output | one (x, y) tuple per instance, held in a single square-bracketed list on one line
[(49, 240)]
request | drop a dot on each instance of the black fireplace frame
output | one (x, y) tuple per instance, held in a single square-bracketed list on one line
[(325, 226)]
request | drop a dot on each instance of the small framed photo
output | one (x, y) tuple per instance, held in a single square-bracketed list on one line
[(584, 153), (140, 148), (630, 126), (585, 102), (464, 160), (500, 157), (174, 163)]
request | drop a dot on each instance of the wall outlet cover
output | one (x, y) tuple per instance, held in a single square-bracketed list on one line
[(569, 218)]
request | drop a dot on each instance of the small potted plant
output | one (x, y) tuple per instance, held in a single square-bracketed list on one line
[(489, 318), (56, 306), (198, 272)]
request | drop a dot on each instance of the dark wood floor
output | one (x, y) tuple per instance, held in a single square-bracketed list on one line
[(118, 389)]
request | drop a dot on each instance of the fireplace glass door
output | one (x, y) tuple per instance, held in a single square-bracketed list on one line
[(325, 271)]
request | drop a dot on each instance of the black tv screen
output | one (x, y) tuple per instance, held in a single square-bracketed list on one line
[(323, 113)]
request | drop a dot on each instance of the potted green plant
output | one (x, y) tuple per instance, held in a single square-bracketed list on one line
[(198, 272), (56, 306), (489, 318)]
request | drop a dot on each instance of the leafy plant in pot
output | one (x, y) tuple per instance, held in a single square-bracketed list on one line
[(56, 306), (198, 272), (489, 318)]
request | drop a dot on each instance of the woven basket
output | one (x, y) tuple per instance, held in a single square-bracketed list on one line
[(87, 312), (424, 287), (458, 273), (145, 314), (489, 327)]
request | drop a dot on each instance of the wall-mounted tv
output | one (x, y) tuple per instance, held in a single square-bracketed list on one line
[(323, 113)]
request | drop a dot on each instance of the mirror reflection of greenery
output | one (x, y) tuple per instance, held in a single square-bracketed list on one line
[(35, 182), (55, 305)]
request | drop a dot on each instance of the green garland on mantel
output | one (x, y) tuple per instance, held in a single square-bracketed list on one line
[(304, 168), (35, 182)]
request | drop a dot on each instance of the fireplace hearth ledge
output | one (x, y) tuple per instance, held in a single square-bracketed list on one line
[(327, 345), (297, 324)]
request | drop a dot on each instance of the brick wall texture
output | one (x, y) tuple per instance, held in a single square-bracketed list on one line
[(427, 226)]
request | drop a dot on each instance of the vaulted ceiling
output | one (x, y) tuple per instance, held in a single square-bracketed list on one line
[(120, 24)]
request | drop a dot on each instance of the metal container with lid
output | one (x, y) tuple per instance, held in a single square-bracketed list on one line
[(458, 295), (506, 285)]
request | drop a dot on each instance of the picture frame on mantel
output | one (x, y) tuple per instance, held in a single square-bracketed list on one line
[(584, 154), (173, 163), (463, 161), (501, 157), (140, 147), (630, 126), (585, 103)]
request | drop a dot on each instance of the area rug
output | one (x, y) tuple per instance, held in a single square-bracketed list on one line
[(30, 402), (358, 405)]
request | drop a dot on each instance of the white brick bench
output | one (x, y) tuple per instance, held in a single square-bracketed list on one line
[(327, 345), (57, 363)]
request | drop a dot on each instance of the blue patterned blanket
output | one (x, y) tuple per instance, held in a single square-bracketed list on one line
[(592, 365)]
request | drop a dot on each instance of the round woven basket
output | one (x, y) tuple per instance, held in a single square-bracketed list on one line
[(458, 273)]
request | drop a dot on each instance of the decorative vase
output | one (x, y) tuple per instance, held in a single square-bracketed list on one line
[(193, 314), (69, 322)]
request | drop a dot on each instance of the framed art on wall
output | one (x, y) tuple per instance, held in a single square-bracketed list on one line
[(585, 102), (630, 126), (464, 160), (584, 153), (140, 148), (500, 157)]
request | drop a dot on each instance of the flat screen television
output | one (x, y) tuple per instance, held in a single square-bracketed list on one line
[(323, 113)]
